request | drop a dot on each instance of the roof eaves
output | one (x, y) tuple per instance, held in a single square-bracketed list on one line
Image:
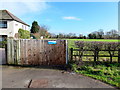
[(15, 19)]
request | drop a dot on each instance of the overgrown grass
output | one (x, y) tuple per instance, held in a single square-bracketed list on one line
[(104, 71)]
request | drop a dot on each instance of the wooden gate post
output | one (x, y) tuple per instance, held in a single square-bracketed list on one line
[(95, 54), (66, 43), (6, 53), (118, 55), (71, 54)]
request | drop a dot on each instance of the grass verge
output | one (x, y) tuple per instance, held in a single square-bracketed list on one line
[(106, 72)]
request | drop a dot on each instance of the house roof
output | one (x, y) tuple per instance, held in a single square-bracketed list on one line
[(6, 15)]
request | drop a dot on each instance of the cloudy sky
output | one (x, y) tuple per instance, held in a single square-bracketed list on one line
[(65, 17)]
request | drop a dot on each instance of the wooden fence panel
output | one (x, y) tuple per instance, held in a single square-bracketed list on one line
[(36, 52)]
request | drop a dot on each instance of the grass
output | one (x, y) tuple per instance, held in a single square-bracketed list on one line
[(104, 40), (104, 71), (72, 45)]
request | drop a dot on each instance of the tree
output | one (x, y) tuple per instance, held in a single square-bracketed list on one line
[(100, 34), (72, 35), (43, 31), (92, 36), (52, 35), (81, 36), (60, 35), (113, 34), (84, 37), (96, 34), (35, 27)]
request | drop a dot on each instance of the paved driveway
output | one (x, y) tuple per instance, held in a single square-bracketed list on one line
[(2, 56), (16, 77)]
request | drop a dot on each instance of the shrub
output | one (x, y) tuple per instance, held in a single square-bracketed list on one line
[(2, 44), (34, 37), (96, 47), (24, 34)]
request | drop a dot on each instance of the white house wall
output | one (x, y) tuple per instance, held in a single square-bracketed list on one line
[(7, 31), (12, 28), (18, 25)]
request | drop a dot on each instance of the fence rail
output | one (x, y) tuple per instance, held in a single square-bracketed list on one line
[(80, 54)]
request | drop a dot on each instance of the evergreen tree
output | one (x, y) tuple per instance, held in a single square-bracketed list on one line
[(35, 27)]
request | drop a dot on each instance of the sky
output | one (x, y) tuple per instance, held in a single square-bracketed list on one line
[(67, 17)]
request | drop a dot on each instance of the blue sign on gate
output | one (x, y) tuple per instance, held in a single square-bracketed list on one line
[(52, 42)]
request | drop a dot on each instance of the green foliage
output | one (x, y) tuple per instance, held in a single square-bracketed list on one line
[(95, 45), (96, 48), (106, 72), (31, 35), (24, 34), (71, 43), (35, 27), (2, 44)]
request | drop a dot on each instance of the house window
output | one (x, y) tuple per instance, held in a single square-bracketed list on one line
[(22, 27), (3, 24)]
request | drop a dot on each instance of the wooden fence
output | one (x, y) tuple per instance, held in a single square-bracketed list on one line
[(77, 54), (36, 52)]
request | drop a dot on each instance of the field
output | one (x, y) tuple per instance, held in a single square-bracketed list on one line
[(72, 45), (104, 40), (102, 70), (71, 41)]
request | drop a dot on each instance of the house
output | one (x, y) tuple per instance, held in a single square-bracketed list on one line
[(10, 24)]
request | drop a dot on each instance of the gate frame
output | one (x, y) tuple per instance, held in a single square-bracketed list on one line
[(9, 41), (66, 51)]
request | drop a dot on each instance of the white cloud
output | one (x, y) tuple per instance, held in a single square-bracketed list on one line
[(71, 18), (21, 8)]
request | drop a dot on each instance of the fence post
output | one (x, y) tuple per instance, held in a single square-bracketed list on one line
[(118, 55), (95, 54), (71, 54), (66, 42), (6, 53)]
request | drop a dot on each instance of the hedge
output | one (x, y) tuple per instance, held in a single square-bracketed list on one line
[(112, 48), (24, 34), (97, 45)]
